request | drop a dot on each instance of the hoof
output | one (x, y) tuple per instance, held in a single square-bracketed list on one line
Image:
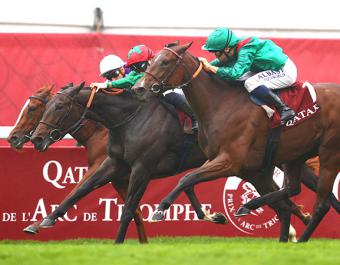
[(47, 223), (216, 218), (31, 229), (219, 218), (242, 211), (157, 216)]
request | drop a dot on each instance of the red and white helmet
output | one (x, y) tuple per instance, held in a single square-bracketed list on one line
[(109, 63), (139, 53)]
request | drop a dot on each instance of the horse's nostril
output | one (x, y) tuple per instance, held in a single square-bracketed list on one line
[(37, 141), (12, 139), (140, 90)]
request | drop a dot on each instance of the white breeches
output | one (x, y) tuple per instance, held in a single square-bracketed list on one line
[(273, 79)]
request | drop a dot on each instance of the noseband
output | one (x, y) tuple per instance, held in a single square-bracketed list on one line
[(160, 85)]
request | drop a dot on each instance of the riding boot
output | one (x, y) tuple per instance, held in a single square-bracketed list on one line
[(269, 97), (180, 102)]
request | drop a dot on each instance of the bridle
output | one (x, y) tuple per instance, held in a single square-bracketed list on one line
[(28, 135), (161, 85), (56, 133)]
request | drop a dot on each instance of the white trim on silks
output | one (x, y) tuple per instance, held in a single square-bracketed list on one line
[(311, 90)]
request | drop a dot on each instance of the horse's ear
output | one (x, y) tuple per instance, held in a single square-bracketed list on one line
[(67, 86), (77, 89), (184, 47), (172, 44)]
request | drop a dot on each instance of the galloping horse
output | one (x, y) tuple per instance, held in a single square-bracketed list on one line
[(233, 131), (136, 140), (91, 135)]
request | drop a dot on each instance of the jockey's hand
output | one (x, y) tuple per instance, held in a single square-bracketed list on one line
[(98, 85), (207, 66)]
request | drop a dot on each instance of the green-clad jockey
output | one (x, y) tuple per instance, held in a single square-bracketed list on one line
[(138, 60), (261, 63)]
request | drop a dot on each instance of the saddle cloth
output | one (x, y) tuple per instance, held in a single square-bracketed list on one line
[(301, 97), (184, 121)]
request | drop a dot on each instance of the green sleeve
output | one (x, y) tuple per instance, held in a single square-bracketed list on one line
[(242, 65), (127, 81), (215, 62)]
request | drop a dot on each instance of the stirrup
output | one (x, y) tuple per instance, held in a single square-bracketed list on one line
[(289, 116)]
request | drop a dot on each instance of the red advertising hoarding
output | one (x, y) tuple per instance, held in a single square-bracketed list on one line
[(34, 183)]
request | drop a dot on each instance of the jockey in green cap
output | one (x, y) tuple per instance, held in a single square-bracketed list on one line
[(138, 60), (261, 63)]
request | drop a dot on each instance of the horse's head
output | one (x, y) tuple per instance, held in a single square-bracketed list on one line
[(29, 117), (60, 117), (171, 68)]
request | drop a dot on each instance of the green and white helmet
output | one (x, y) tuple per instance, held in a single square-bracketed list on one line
[(219, 39)]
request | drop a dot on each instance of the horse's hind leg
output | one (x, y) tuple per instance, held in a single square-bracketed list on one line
[(217, 218), (311, 182), (293, 174), (328, 172), (139, 179), (217, 168), (121, 188)]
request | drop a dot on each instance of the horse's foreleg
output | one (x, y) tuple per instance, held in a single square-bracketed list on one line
[(138, 182), (101, 177), (214, 169), (34, 228), (121, 188)]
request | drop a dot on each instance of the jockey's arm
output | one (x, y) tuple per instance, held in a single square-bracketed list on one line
[(242, 65), (125, 82)]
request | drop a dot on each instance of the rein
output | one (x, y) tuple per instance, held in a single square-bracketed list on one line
[(161, 85)]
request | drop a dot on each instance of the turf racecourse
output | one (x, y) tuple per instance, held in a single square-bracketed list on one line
[(172, 251)]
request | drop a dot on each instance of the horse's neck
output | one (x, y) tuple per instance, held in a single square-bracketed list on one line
[(111, 110), (89, 130), (206, 94)]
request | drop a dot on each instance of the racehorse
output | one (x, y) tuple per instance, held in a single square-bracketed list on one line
[(91, 135), (136, 139), (233, 131)]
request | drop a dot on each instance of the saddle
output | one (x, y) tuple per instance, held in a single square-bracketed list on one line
[(183, 118), (301, 97)]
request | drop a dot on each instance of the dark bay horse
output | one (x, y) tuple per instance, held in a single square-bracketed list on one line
[(233, 131), (136, 139), (91, 135)]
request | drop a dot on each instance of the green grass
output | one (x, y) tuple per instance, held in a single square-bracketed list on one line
[(171, 251)]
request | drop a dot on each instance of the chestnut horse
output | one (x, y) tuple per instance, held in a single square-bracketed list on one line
[(136, 140), (91, 135), (233, 131)]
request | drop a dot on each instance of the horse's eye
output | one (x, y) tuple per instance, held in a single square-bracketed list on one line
[(31, 108), (58, 106), (165, 62)]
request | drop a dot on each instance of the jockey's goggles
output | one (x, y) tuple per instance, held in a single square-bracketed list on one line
[(111, 74)]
